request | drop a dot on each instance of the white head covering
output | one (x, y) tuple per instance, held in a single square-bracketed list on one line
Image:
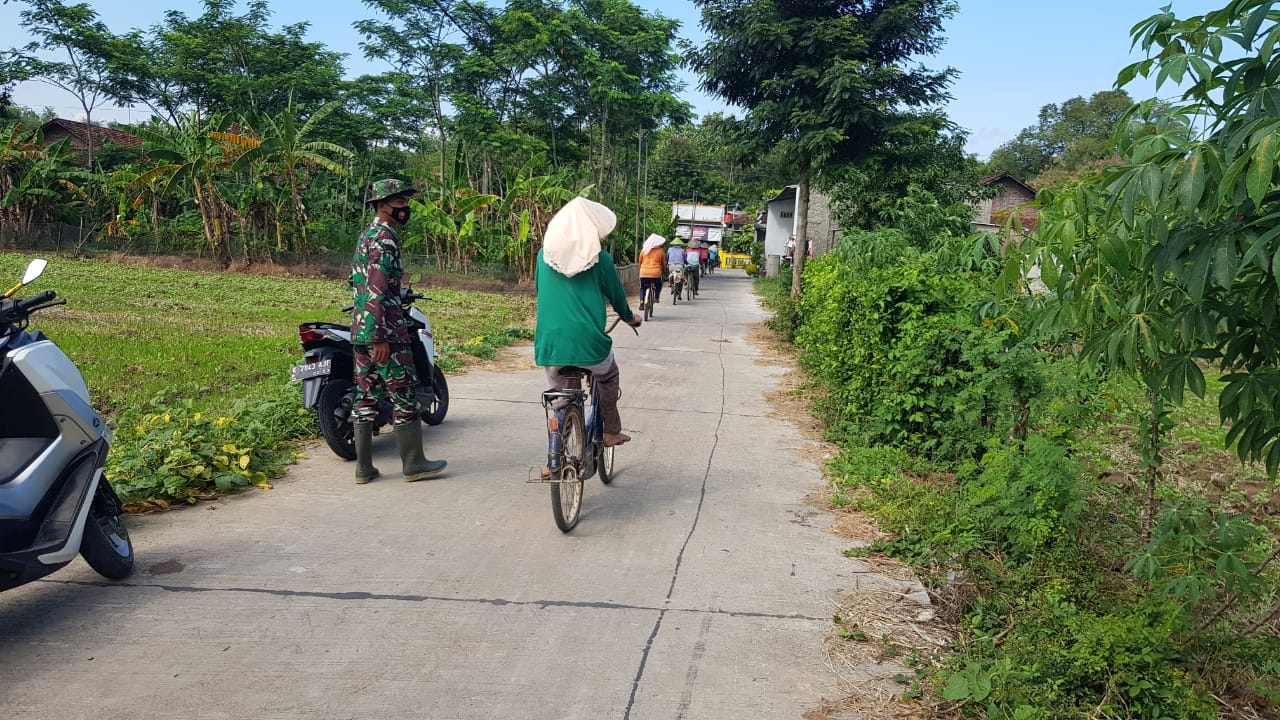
[(653, 241), (572, 242)]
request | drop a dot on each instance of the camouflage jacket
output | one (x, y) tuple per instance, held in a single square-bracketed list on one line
[(375, 280)]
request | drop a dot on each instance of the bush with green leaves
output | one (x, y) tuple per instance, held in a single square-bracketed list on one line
[(1023, 497), (171, 452), (905, 358)]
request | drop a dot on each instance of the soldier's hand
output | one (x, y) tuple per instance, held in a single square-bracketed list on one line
[(635, 320), (381, 353)]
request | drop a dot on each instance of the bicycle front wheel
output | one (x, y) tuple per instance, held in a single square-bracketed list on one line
[(604, 463), (566, 495)]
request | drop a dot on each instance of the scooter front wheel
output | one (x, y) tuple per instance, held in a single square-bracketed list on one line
[(334, 412), (106, 545)]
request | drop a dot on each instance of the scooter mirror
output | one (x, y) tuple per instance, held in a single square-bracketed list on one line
[(34, 270)]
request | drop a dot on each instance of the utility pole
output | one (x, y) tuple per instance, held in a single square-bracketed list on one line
[(646, 183), (640, 133)]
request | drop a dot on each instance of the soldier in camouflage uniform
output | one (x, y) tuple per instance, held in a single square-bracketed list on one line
[(381, 340)]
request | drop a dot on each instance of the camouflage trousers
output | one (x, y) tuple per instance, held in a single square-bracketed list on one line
[(394, 380)]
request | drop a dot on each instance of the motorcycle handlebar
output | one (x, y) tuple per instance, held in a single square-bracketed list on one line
[(406, 298), (32, 302), (16, 312)]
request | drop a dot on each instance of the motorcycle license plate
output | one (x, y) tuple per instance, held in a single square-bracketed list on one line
[(310, 370)]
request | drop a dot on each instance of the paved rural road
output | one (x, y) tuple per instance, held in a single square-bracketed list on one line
[(700, 584)]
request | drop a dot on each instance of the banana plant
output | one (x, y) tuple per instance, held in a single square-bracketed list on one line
[(189, 158), (449, 223), (522, 215), (283, 146)]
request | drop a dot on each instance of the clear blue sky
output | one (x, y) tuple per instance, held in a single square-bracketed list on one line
[(1014, 56)]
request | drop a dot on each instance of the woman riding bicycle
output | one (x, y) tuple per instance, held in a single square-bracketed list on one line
[(692, 265), (573, 274), (653, 265)]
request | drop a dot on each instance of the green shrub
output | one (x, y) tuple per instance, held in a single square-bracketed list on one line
[(171, 452), (1024, 498), (905, 358)]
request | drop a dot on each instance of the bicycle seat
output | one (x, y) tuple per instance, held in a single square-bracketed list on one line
[(573, 371)]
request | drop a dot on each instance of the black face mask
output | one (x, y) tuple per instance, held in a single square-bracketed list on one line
[(400, 214)]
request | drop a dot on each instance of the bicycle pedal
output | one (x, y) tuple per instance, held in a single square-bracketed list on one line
[(535, 476)]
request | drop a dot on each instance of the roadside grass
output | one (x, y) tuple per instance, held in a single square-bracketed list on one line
[(192, 367), (1031, 556)]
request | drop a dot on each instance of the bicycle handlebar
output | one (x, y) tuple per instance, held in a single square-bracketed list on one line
[(614, 324)]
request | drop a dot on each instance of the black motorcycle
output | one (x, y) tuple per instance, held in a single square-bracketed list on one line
[(327, 373)]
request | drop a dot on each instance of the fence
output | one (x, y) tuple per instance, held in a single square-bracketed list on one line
[(630, 277)]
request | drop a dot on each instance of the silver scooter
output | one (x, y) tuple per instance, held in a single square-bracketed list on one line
[(55, 502)]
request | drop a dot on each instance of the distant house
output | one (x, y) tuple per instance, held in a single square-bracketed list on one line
[(990, 213), (778, 222), (704, 223), (81, 134)]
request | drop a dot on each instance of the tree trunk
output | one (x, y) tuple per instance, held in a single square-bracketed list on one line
[(155, 218), (802, 232), (205, 222), (299, 211)]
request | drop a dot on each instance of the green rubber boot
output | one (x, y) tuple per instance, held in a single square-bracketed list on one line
[(409, 442), (365, 471)]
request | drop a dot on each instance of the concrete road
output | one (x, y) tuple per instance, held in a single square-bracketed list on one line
[(700, 584)]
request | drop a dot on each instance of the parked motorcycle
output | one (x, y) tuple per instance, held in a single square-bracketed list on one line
[(327, 373), (55, 501)]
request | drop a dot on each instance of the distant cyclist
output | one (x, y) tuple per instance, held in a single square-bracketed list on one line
[(676, 255), (653, 265), (692, 265)]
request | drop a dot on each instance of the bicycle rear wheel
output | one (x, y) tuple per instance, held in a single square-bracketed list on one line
[(646, 303), (566, 495)]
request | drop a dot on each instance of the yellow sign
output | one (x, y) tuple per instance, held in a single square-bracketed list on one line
[(734, 260)]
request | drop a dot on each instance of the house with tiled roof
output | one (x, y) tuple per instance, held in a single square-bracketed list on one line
[(81, 134), (1011, 192)]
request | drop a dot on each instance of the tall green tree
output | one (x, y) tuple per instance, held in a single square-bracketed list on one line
[(220, 62), (928, 157), (1066, 138), (71, 51), (827, 82), (420, 42)]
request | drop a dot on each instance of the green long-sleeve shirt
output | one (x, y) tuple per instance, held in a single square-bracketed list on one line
[(571, 313)]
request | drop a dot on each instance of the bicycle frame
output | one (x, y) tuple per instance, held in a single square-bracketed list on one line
[(556, 404)]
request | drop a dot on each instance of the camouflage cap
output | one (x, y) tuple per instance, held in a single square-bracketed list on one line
[(390, 187)]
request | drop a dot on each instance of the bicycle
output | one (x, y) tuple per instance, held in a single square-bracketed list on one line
[(575, 446), (677, 283), (647, 302)]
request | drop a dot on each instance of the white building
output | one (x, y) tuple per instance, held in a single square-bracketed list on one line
[(779, 223), (704, 223)]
